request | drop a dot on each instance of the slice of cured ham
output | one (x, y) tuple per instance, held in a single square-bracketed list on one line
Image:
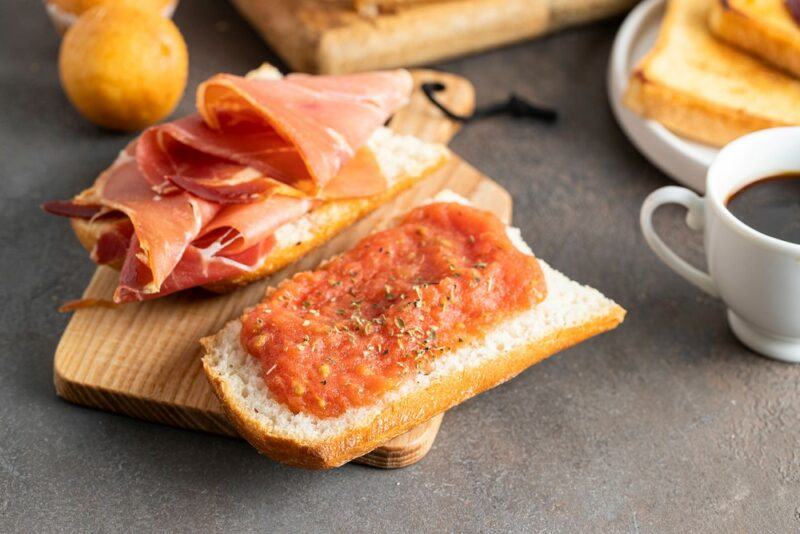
[(213, 164), (70, 208), (324, 120), (197, 267), (201, 197), (241, 226), (164, 225), (236, 241)]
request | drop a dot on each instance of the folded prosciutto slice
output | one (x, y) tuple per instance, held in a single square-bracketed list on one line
[(197, 200)]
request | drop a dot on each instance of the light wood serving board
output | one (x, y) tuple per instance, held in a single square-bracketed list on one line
[(330, 36), (143, 359)]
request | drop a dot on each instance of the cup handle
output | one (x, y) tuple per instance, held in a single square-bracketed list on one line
[(694, 219)]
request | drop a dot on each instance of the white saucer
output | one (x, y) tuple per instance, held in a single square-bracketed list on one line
[(785, 349), (683, 160)]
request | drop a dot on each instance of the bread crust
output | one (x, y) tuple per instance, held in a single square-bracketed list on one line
[(336, 215), (407, 412), (779, 46)]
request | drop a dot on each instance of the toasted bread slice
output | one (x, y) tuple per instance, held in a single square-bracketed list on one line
[(569, 314), (764, 28), (704, 89), (404, 160)]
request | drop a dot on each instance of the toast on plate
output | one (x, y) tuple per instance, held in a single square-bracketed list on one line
[(704, 89), (568, 314), (763, 28)]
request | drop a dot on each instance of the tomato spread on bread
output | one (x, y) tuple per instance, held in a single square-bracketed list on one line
[(343, 335)]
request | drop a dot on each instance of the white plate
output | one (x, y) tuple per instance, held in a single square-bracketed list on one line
[(684, 160)]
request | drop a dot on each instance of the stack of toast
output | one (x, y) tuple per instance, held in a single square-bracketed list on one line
[(721, 69)]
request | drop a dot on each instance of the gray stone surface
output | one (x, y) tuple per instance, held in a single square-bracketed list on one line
[(667, 424)]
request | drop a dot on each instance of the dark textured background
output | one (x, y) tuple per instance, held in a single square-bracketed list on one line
[(666, 424)]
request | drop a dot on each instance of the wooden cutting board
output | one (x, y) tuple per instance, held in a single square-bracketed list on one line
[(143, 359), (331, 36)]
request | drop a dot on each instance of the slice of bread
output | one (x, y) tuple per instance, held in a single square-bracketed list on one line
[(764, 28), (704, 89), (569, 314), (404, 160)]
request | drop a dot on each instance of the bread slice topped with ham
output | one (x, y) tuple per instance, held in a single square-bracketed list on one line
[(268, 168), (413, 320)]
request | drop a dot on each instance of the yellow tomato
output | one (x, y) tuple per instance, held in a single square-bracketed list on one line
[(122, 67)]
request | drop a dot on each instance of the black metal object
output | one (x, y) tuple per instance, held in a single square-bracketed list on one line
[(515, 106)]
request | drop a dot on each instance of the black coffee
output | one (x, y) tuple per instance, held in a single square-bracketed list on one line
[(770, 206)]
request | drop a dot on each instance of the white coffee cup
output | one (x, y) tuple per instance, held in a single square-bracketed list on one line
[(757, 276)]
